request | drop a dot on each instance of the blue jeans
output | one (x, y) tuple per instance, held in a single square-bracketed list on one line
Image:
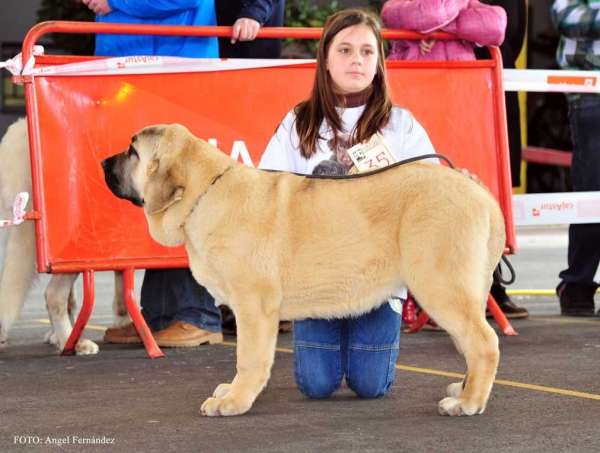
[(364, 349), (174, 295), (584, 239)]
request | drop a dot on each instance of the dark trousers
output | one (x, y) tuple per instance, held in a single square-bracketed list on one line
[(174, 295), (584, 239)]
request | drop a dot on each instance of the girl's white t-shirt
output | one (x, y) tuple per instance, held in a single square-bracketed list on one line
[(404, 134)]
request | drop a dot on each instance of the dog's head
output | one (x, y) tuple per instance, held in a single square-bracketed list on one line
[(151, 172), (165, 170)]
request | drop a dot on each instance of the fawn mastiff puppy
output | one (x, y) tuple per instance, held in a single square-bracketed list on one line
[(276, 245)]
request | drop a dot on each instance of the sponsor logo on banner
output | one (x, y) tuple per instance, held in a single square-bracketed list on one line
[(564, 206), (142, 59), (572, 80), (551, 210)]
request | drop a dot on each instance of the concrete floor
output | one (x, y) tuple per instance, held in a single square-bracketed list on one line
[(546, 398)]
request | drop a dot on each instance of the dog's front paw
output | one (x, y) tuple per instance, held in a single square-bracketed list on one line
[(221, 390), (458, 406), (455, 389), (215, 407), (86, 347)]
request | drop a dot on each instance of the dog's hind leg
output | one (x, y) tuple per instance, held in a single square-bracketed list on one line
[(257, 328), (480, 348), (455, 298), (61, 304), (120, 315), (18, 274)]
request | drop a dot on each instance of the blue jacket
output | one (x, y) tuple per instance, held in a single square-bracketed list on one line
[(159, 12)]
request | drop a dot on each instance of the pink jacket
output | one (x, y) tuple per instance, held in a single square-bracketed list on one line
[(471, 21)]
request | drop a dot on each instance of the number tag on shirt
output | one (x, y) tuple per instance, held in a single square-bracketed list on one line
[(372, 154)]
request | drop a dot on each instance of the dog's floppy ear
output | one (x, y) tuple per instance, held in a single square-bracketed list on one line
[(166, 173)]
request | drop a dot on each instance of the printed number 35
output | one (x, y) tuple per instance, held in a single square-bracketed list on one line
[(381, 161)]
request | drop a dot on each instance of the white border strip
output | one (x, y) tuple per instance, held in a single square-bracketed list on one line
[(154, 64), (557, 80), (556, 208), (532, 80)]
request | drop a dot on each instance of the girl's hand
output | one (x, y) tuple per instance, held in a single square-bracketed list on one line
[(466, 172), (425, 45)]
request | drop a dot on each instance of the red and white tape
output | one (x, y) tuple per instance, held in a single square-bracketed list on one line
[(513, 79), (18, 210)]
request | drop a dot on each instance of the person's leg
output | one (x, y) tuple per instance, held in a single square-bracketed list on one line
[(193, 303), (154, 299), (583, 257), (576, 291), (191, 310), (317, 357), (179, 311), (155, 310), (170, 295), (508, 307), (373, 344)]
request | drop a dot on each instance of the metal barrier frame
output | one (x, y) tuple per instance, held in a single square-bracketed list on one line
[(127, 265)]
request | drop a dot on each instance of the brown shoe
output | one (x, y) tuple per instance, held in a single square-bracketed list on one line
[(122, 335), (510, 310), (180, 334)]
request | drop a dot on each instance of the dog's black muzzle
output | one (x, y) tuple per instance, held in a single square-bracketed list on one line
[(114, 177)]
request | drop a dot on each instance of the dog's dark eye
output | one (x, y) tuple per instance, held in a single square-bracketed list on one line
[(132, 152)]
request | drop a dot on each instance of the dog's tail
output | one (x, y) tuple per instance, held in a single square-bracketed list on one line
[(17, 243)]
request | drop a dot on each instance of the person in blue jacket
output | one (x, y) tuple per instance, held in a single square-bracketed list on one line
[(155, 12)]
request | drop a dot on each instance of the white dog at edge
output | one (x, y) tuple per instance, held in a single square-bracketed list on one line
[(18, 271)]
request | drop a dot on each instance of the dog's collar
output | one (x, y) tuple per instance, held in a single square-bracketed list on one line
[(208, 188), (216, 179)]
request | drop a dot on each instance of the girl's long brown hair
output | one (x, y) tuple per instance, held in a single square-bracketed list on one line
[(323, 98)]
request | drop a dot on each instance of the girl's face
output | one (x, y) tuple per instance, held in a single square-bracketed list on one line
[(352, 59)]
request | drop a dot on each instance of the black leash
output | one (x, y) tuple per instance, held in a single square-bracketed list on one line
[(497, 271)]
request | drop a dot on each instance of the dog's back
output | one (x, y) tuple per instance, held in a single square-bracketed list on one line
[(17, 243)]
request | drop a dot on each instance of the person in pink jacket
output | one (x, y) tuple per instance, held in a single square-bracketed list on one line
[(475, 23)]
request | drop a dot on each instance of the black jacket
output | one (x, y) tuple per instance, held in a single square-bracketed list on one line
[(268, 13)]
